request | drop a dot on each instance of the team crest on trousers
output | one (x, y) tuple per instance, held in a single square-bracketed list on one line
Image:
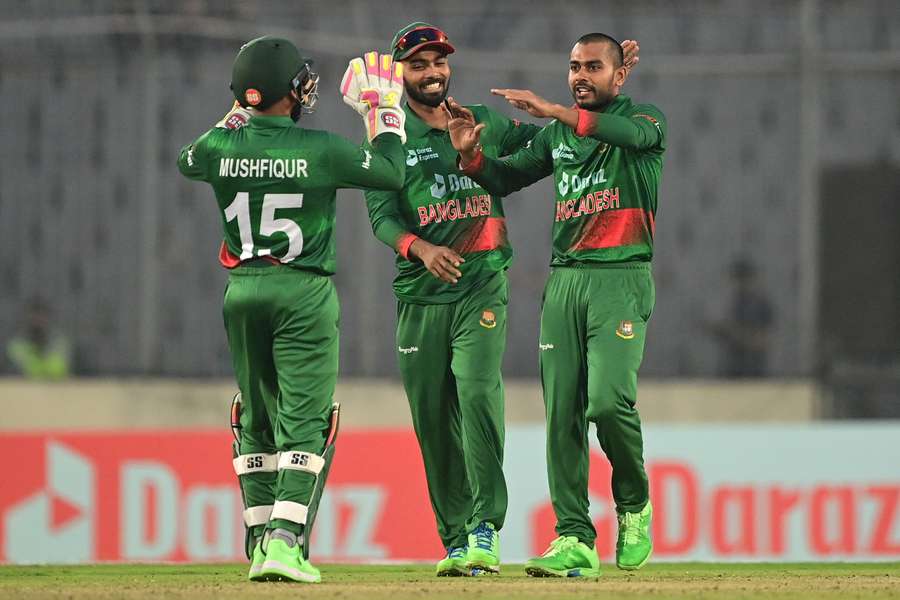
[(488, 319), (625, 330)]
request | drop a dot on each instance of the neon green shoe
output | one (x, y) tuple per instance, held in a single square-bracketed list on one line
[(566, 557), (634, 546), (285, 562), (256, 563), (483, 555), (454, 565)]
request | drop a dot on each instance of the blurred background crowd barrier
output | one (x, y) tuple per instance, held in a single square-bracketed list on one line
[(777, 267)]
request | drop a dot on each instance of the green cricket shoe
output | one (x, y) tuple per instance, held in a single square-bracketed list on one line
[(284, 561), (483, 555), (566, 557), (256, 562), (454, 565), (634, 546)]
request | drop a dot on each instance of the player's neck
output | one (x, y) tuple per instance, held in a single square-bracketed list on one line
[(282, 108), (432, 115)]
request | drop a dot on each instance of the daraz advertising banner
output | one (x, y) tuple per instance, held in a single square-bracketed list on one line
[(720, 493)]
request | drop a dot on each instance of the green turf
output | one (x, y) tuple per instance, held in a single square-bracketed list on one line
[(658, 581)]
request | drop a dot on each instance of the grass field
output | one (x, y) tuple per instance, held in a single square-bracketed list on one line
[(658, 581)]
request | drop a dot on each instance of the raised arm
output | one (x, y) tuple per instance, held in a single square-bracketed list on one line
[(379, 166), (530, 164), (644, 129), (192, 159)]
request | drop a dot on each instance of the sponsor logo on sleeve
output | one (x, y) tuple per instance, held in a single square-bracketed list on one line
[(648, 117)]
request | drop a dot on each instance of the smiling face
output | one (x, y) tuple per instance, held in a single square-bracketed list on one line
[(426, 77), (595, 75)]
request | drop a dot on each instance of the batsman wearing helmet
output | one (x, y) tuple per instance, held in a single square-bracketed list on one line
[(606, 156), (275, 186), (449, 233)]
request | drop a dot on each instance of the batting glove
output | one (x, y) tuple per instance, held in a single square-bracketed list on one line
[(373, 87)]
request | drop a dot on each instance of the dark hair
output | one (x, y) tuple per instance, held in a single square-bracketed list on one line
[(602, 38)]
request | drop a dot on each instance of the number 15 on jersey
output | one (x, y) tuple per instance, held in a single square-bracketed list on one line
[(251, 246)]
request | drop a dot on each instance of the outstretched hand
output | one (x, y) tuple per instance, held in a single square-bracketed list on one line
[(465, 133), (528, 101)]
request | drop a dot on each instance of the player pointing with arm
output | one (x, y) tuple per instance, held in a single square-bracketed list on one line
[(275, 185), (606, 158)]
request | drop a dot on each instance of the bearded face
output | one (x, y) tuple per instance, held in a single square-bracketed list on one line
[(592, 94), (426, 77)]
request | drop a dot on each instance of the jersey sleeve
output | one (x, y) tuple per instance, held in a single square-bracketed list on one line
[(515, 135), (502, 177), (379, 166), (193, 159), (387, 223), (643, 130)]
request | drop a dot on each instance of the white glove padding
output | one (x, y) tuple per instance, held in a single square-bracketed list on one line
[(373, 87), (236, 118)]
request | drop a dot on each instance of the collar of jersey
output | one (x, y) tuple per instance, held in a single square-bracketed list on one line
[(617, 103), (270, 121), (415, 126)]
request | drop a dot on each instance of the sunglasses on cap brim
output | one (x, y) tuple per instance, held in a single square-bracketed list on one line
[(423, 35)]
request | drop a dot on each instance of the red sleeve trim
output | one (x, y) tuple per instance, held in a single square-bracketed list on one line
[(587, 123), (404, 243), (473, 167)]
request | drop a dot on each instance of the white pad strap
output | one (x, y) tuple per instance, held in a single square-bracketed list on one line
[(257, 515), (301, 461), (291, 511), (255, 463)]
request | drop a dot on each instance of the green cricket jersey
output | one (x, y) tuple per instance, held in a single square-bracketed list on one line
[(444, 207), (275, 184), (607, 173)]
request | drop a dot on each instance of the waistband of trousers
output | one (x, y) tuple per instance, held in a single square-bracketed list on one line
[(263, 267), (636, 265)]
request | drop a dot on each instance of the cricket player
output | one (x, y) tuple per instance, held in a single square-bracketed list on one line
[(452, 254), (605, 154), (275, 186), (449, 233)]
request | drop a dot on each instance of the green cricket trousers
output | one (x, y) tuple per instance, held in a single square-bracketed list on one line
[(282, 326), (593, 326), (450, 357)]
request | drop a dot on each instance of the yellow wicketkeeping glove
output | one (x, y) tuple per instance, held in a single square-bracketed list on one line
[(373, 87)]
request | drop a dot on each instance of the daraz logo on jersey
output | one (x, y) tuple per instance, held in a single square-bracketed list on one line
[(416, 155), (576, 184), (563, 151), (439, 188)]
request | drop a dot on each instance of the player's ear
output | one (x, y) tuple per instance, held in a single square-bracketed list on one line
[(620, 76)]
